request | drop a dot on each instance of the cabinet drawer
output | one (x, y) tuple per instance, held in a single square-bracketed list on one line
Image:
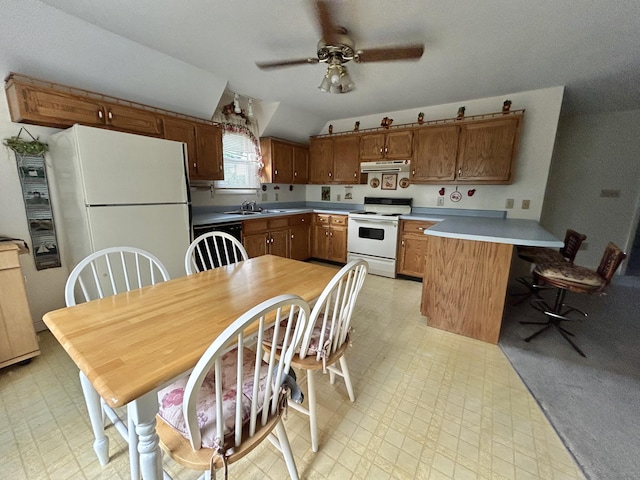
[(254, 226), (321, 218), (303, 219), (338, 219), (415, 226), (278, 222)]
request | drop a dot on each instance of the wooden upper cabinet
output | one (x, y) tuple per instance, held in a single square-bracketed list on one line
[(284, 161), (346, 165), (394, 145), (435, 153), (321, 160), (209, 153), (487, 149), (204, 147), (477, 151), (334, 160), (49, 106)]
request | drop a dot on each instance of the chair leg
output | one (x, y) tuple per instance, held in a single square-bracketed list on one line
[(313, 411), (285, 448), (134, 461), (92, 400), (563, 332), (347, 378)]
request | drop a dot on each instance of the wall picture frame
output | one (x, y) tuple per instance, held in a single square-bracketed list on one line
[(389, 181)]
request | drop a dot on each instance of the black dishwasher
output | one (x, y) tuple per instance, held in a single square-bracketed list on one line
[(232, 228)]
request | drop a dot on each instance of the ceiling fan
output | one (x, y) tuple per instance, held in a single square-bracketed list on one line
[(336, 48)]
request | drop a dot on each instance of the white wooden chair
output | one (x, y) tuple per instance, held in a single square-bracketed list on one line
[(327, 337), (234, 397), (212, 250), (102, 274)]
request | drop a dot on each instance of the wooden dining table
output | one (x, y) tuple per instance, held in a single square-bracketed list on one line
[(132, 344)]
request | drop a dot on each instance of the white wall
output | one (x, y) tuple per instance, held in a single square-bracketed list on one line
[(595, 152), (531, 167)]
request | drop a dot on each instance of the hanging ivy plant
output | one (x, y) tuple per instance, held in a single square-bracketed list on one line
[(26, 147)]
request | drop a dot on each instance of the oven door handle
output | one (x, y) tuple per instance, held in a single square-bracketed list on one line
[(375, 220)]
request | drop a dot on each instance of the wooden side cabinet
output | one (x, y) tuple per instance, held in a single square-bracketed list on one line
[(18, 341), (412, 248)]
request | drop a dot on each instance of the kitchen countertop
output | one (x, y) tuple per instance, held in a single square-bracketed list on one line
[(496, 230)]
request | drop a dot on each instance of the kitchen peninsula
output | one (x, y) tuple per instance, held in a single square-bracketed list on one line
[(467, 270)]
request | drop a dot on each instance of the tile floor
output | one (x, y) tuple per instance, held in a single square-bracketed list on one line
[(430, 405)]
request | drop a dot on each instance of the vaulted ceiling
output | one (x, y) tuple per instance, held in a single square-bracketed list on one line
[(472, 50)]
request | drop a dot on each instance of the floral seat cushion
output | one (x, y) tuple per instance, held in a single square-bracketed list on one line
[(170, 398), (571, 273), (314, 342)]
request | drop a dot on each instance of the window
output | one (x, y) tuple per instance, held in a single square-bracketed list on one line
[(241, 154)]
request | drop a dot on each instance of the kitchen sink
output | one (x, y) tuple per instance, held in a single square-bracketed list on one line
[(242, 212)]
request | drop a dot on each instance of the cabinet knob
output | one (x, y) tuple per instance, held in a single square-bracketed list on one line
[(194, 165), (380, 150), (329, 173), (276, 172), (110, 115), (100, 114), (302, 219), (295, 174), (326, 234), (355, 174), (386, 150), (413, 172), (459, 171), (420, 228), (292, 236)]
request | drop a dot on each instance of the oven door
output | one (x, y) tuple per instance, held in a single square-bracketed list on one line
[(375, 237)]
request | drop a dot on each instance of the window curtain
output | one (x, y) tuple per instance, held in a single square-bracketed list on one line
[(241, 149)]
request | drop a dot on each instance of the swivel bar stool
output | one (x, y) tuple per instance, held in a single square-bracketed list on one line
[(565, 276)]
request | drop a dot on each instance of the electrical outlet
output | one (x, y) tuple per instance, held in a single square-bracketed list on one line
[(509, 203), (525, 204), (338, 197), (276, 196), (264, 197), (440, 201)]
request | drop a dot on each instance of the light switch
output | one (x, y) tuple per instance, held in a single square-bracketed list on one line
[(440, 201), (525, 204), (509, 203)]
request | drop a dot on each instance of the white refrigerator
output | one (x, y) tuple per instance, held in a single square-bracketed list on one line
[(111, 189)]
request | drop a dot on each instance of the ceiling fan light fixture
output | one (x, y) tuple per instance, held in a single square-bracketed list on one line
[(336, 80), (325, 85)]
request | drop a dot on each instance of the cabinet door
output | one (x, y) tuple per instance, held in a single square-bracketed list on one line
[(372, 146), (321, 160), (487, 150), (279, 243), (282, 162), (434, 158), (320, 244), (51, 108), (299, 248), (300, 164), (399, 145), (346, 165), (411, 257), (18, 339), (134, 120), (338, 248), (209, 152), (256, 244), (183, 131)]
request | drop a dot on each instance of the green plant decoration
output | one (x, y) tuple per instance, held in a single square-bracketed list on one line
[(26, 147)]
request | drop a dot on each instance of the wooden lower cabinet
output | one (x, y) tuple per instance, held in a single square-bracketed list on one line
[(286, 236), (412, 247), (18, 341), (330, 237)]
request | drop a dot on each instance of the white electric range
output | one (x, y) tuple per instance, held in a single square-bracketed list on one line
[(373, 233)]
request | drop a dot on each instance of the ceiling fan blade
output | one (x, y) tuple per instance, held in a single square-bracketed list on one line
[(285, 63), (407, 52), (328, 27)]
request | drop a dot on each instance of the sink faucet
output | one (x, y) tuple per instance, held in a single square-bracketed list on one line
[(250, 206)]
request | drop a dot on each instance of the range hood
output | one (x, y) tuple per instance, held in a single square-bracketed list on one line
[(387, 166)]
